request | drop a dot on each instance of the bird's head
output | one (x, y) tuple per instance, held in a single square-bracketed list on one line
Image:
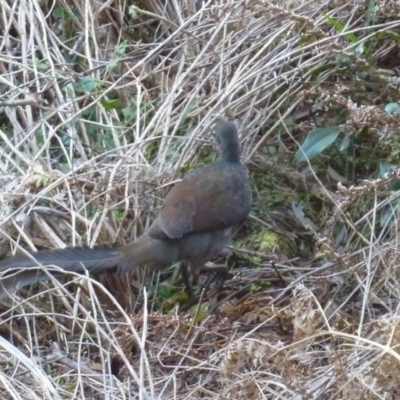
[(228, 141)]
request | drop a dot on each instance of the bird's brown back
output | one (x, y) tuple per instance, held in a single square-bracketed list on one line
[(212, 197)]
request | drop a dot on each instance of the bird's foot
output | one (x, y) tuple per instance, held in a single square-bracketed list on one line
[(191, 299), (189, 303), (218, 274)]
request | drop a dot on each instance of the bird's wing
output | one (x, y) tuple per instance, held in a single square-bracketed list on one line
[(212, 197)]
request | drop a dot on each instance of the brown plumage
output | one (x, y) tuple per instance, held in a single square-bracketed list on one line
[(197, 219)]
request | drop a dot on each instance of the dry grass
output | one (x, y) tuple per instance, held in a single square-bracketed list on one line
[(103, 105)]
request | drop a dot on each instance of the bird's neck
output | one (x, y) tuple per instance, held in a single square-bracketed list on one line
[(230, 153)]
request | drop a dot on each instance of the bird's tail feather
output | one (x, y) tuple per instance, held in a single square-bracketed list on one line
[(11, 284), (71, 259), (22, 270), (96, 260)]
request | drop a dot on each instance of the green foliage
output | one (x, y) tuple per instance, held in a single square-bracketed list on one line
[(118, 214), (317, 140), (41, 65), (391, 108), (167, 297), (68, 23), (266, 241), (372, 10), (119, 54), (135, 110), (259, 286), (341, 28), (389, 212), (42, 181), (201, 314), (110, 104), (86, 84)]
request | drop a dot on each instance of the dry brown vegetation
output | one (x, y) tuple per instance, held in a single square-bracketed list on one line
[(104, 103)]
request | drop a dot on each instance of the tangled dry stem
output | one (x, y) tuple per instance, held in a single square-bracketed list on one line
[(68, 160)]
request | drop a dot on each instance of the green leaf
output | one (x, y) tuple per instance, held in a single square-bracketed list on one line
[(341, 28), (394, 186), (363, 133), (86, 84), (388, 213), (316, 142), (121, 49), (372, 11), (344, 144), (129, 113), (59, 13), (110, 104), (384, 168), (390, 34), (316, 74), (298, 211), (360, 48), (113, 63), (390, 108)]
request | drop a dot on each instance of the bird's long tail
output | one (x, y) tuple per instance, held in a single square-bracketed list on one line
[(22, 270)]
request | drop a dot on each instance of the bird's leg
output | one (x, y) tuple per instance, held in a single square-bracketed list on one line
[(183, 268), (218, 274)]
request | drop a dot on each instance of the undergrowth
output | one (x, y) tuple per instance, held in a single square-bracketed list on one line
[(104, 104)]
